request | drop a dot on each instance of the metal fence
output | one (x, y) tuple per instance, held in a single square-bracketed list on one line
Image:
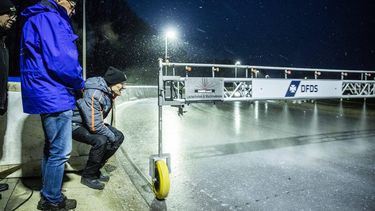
[(177, 86)]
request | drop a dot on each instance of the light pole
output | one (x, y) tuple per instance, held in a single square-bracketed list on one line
[(170, 34), (235, 69), (84, 39)]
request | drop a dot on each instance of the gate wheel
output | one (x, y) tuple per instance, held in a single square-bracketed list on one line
[(161, 182)]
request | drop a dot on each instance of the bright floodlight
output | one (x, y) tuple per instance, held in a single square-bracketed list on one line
[(238, 62), (171, 34)]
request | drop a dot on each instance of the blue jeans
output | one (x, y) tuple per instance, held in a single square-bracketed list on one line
[(57, 129)]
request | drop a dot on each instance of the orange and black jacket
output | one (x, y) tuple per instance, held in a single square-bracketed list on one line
[(94, 107)]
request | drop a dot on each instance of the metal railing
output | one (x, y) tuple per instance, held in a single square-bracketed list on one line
[(172, 86)]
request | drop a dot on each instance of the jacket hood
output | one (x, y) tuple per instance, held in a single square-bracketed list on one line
[(43, 6), (97, 83)]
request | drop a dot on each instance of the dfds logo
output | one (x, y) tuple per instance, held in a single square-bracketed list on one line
[(309, 88), (294, 85)]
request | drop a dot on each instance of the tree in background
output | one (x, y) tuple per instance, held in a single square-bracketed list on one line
[(116, 36)]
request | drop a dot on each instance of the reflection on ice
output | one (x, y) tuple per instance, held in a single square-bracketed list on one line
[(237, 117), (315, 119), (256, 109), (363, 116), (172, 128)]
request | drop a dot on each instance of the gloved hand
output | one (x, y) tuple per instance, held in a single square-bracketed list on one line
[(78, 94)]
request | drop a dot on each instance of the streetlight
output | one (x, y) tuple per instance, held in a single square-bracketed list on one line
[(235, 69), (84, 39), (170, 34)]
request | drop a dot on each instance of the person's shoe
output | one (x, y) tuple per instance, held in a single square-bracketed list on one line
[(92, 183), (103, 178), (66, 204), (69, 203), (3, 187), (52, 207)]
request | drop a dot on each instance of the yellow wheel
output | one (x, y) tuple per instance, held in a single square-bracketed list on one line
[(161, 182)]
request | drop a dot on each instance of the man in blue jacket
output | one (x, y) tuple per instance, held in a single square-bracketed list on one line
[(50, 74)]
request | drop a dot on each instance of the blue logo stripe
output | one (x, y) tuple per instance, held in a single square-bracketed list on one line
[(292, 90)]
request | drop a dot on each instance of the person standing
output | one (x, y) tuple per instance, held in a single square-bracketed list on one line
[(50, 74), (7, 19), (89, 127)]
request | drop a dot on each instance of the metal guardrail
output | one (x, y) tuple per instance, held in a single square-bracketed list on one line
[(254, 67), (172, 87)]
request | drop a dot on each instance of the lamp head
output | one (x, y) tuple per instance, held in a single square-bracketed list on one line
[(171, 34)]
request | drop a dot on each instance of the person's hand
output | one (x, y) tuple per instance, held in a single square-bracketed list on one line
[(2, 112), (79, 93)]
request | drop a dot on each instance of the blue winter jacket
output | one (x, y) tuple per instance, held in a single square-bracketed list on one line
[(50, 70)]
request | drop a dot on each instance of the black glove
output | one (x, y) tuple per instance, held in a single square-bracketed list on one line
[(78, 94), (4, 108)]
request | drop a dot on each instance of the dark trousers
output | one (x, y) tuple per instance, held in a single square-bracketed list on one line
[(102, 149)]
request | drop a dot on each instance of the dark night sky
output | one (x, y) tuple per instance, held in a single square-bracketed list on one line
[(310, 33)]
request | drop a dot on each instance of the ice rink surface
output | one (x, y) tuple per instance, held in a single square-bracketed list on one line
[(272, 155)]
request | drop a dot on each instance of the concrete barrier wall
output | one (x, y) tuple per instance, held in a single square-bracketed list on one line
[(22, 139), (137, 92)]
